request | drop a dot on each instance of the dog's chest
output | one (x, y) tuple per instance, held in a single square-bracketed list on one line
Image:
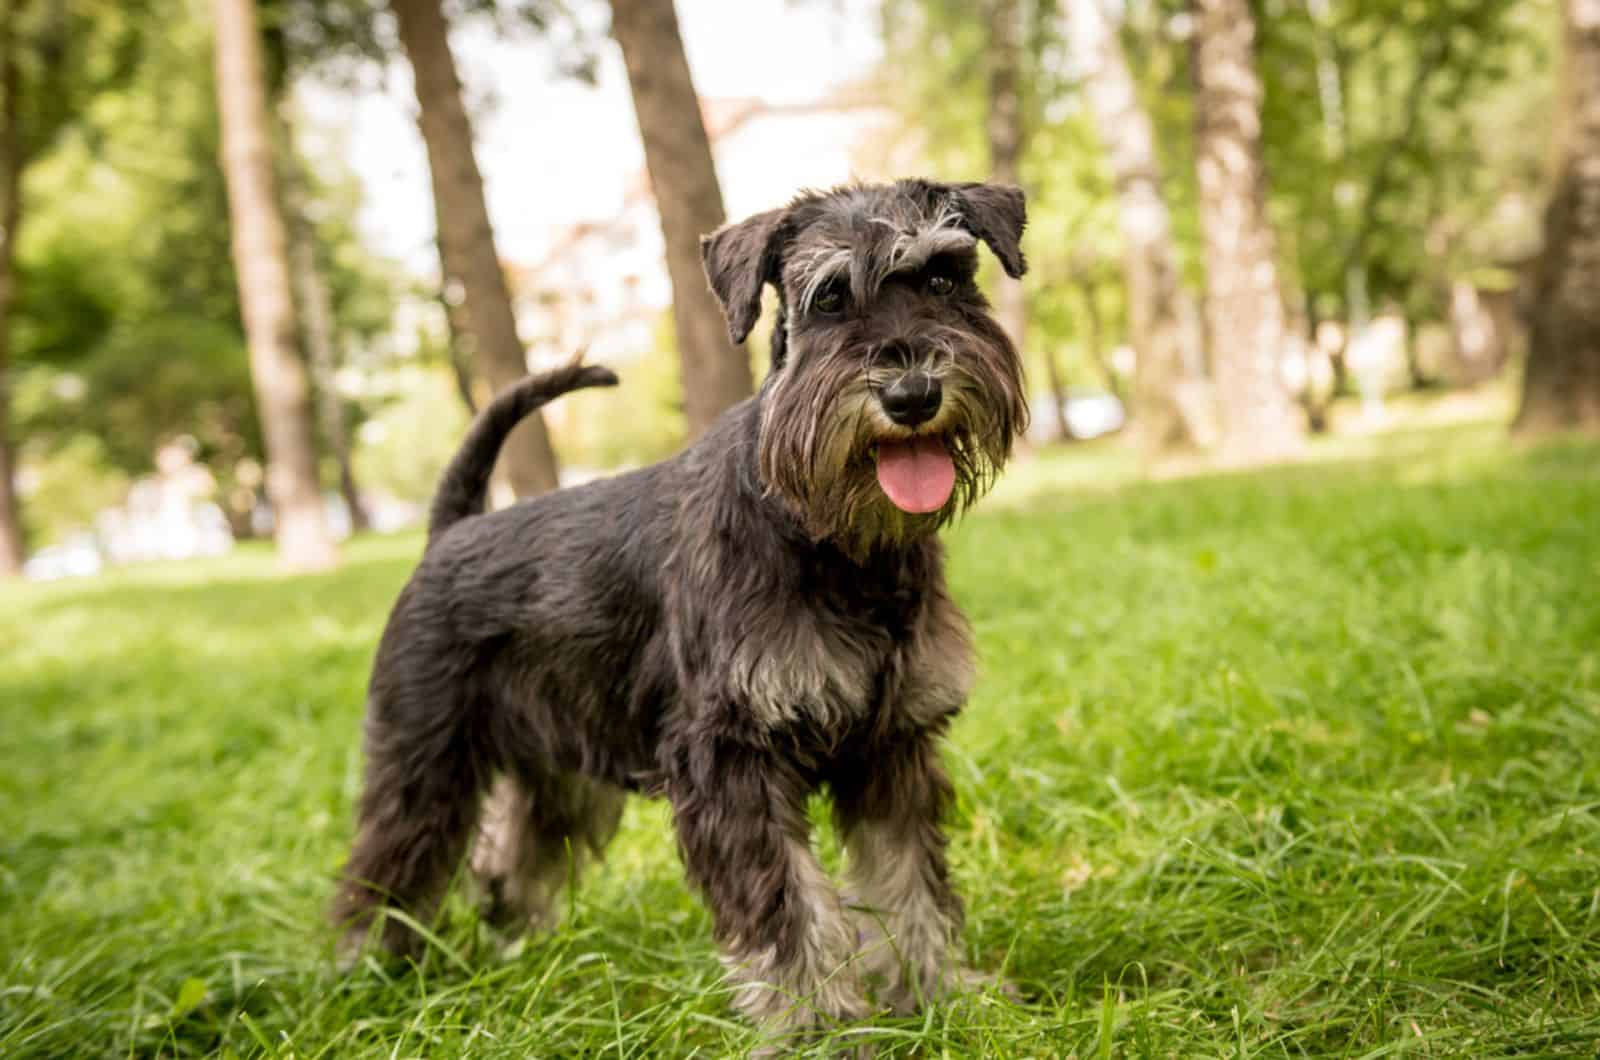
[(829, 672), (812, 671)]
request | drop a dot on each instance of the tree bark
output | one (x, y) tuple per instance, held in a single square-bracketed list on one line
[(460, 363), (466, 238), (1561, 387), (1168, 354), (1094, 335), (1007, 141), (1244, 304), (261, 260), (677, 153), (1058, 397), (321, 344), (12, 546)]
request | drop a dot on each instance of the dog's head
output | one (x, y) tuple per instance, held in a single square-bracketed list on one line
[(894, 396)]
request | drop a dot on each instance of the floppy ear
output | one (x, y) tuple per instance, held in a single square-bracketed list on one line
[(996, 214), (738, 259)]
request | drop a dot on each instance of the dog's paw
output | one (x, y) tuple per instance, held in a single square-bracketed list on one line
[(348, 951), (972, 981), (358, 945), (906, 995), (811, 1043)]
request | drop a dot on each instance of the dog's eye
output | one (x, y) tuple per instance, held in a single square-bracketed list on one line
[(940, 284), (829, 301)]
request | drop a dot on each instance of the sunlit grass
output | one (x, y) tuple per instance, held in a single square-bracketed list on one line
[(1298, 762)]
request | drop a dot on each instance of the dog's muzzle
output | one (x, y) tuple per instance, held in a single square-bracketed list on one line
[(912, 400)]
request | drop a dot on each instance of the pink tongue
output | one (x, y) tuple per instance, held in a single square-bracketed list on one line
[(917, 473)]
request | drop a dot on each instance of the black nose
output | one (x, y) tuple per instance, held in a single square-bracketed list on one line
[(912, 399)]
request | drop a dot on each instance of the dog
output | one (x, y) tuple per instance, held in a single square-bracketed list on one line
[(760, 617)]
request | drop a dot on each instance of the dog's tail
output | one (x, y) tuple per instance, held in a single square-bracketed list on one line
[(465, 483)]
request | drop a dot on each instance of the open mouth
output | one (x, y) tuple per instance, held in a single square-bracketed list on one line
[(916, 474)]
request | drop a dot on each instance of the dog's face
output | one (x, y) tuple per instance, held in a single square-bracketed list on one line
[(894, 396)]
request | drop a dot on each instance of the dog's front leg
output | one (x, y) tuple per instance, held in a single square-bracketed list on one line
[(740, 816), (888, 807)]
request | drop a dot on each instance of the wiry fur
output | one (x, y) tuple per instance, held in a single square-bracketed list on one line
[(732, 629)]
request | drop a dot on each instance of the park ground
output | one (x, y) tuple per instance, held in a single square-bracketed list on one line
[(1295, 762)]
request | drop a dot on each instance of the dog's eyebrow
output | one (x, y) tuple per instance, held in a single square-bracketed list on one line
[(906, 247), (822, 265), (912, 252), (913, 241)]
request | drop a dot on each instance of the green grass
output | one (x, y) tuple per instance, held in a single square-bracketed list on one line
[(1304, 762)]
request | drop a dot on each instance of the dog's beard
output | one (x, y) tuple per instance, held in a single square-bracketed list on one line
[(822, 425)]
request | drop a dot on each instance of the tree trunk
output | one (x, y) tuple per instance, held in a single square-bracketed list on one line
[(677, 154), (1058, 396), (1561, 387), (466, 239), (1168, 355), (321, 344), (1007, 139), (1416, 372), (11, 541), (1244, 305), (261, 260), (1094, 333), (460, 362)]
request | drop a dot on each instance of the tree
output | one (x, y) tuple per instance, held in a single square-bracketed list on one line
[(260, 252), (11, 165), (1561, 387), (1169, 361), (1007, 135), (1403, 142), (321, 342), (716, 372), (1244, 305), (55, 58), (128, 334), (1086, 273), (470, 262)]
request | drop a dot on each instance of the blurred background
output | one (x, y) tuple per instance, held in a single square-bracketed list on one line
[(260, 259)]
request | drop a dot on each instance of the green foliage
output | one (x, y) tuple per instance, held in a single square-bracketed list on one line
[(639, 422), (75, 482), (938, 50), (1153, 37), (1286, 764), (395, 456), (1403, 140), (349, 39), (138, 231), (1397, 134), (128, 327), (69, 52), (152, 380), (69, 296)]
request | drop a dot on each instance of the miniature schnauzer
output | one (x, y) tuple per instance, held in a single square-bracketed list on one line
[(734, 628)]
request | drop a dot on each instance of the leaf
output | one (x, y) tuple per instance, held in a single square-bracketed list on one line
[(1108, 1023), (190, 995)]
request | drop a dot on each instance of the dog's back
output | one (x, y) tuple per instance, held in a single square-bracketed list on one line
[(558, 598)]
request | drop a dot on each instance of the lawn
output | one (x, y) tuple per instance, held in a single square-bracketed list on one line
[(1302, 762)]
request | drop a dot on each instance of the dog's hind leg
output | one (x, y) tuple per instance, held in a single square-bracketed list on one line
[(537, 830), (417, 812)]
